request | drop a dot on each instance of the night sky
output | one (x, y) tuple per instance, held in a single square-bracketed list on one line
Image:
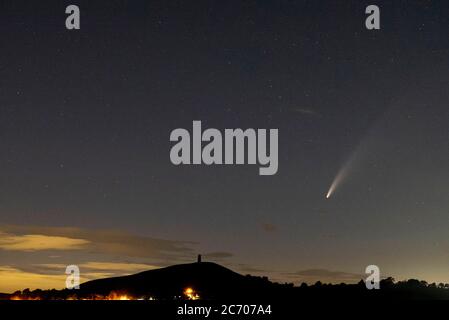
[(86, 116)]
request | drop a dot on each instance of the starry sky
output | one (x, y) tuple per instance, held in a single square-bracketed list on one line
[(86, 115)]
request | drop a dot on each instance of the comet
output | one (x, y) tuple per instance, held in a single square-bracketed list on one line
[(337, 181), (362, 149), (341, 176)]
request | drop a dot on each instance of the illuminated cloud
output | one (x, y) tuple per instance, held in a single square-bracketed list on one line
[(37, 242), (95, 241), (14, 279)]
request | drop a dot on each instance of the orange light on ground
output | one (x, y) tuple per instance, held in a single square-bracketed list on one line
[(118, 296), (191, 294), (24, 298)]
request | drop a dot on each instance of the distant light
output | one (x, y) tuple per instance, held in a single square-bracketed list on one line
[(191, 294)]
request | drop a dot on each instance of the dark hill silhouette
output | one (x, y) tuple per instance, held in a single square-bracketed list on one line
[(208, 279)]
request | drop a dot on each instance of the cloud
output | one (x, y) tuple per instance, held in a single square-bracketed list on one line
[(117, 266), (11, 277), (32, 238), (218, 255), (37, 242), (269, 227), (36, 257), (325, 275), (90, 266), (307, 112), (250, 269)]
